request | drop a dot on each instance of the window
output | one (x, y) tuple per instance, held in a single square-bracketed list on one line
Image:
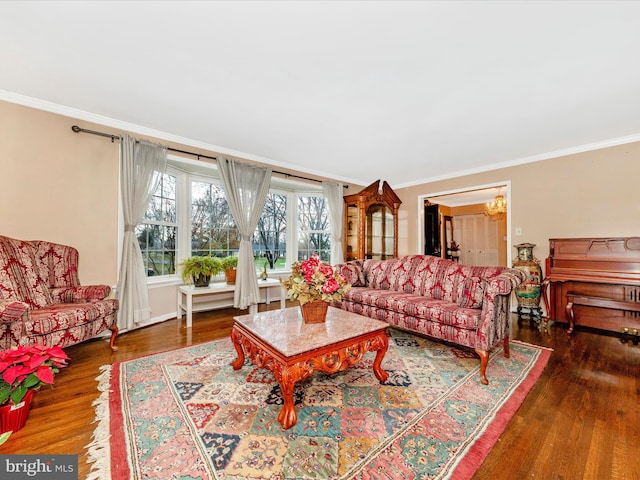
[(270, 238), (158, 232), (189, 215), (213, 230), (313, 228)]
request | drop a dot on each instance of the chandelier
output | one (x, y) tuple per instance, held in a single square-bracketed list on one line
[(496, 209)]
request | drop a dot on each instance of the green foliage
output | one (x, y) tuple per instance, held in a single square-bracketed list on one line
[(5, 436), (229, 262), (200, 265)]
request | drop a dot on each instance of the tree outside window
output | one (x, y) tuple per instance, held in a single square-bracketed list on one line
[(205, 226), (270, 238), (213, 230), (313, 228), (158, 231)]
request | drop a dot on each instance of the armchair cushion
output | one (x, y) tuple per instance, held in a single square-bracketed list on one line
[(64, 316), (80, 294)]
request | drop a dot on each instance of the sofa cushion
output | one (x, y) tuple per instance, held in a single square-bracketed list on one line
[(19, 275), (353, 272), (388, 301), (439, 311), (472, 293), (429, 277), (377, 273), (371, 296)]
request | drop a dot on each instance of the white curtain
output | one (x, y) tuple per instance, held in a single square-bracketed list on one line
[(246, 188), (142, 164), (333, 193)]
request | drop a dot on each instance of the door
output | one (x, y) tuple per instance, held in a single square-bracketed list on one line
[(478, 236), (431, 230)]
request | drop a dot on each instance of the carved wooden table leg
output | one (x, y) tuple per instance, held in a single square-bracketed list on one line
[(382, 350), (235, 339), (287, 378)]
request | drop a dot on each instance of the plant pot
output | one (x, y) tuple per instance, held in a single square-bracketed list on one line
[(13, 417), (201, 280), (230, 276), (315, 311)]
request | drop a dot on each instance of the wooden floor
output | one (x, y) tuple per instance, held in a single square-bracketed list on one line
[(580, 421)]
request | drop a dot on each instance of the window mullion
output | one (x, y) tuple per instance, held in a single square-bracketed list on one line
[(292, 228), (183, 212)]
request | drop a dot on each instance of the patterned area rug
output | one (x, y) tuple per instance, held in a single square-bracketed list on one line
[(187, 414)]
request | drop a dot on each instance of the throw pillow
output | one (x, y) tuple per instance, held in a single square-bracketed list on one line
[(353, 272), (472, 293)]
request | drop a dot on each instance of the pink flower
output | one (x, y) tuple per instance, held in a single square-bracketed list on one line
[(315, 279), (330, 286)]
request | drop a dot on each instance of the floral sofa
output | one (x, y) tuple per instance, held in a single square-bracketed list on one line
[(42, 301), (462, 304)]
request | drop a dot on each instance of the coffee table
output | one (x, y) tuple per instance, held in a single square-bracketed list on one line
[(292, 350)]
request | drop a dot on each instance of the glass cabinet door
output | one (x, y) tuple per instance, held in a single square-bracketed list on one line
[(351, 232), (380, 238), (371, 223)]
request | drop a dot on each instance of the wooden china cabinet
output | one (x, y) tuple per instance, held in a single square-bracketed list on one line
[(371, 223)]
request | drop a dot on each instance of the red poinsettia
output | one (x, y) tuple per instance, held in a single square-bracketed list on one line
[(315, 279), (28, 368)]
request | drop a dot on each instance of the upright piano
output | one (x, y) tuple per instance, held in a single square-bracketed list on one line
[(594, 282)]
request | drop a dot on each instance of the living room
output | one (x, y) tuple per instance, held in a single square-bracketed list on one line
[(64, 187)]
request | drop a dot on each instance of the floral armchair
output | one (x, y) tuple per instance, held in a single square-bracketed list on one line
[(42, 301)]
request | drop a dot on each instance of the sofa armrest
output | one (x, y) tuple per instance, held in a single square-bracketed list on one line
[(494, 323), (80, 294), (504, 283), (12, 310)]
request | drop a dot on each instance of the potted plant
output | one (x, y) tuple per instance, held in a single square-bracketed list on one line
[(198, 269), (23, 370), (315, 283), (229, 265)]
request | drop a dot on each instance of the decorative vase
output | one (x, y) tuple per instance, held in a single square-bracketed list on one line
[(528, 293), (201, 280), (230, 276), (315, 311), (13, 417)]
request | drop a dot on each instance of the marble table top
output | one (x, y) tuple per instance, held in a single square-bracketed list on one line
[(286, 331)]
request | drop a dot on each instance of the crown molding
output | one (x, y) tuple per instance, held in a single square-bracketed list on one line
[(613, 142), (75, 113)]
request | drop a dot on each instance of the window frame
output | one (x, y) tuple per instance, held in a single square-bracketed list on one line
[(185, 170)]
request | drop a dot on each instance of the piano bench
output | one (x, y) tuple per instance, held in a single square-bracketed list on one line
[(600, 302)]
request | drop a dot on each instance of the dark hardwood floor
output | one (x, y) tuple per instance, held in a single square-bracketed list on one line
[(580, 421)]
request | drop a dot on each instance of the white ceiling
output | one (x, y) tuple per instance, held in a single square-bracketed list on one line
[(403, 91)]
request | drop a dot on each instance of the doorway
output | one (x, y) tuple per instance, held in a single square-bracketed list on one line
[(481, 239)]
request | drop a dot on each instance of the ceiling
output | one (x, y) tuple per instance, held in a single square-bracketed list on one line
[(407, 92)]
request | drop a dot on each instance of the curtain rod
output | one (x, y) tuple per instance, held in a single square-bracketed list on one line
[(114, 137)]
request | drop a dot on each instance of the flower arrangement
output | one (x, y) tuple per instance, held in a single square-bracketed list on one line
[(28, 368), (315, 279)]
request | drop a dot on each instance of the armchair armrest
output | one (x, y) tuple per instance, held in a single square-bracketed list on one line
[(12, 310), (80, 294)]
